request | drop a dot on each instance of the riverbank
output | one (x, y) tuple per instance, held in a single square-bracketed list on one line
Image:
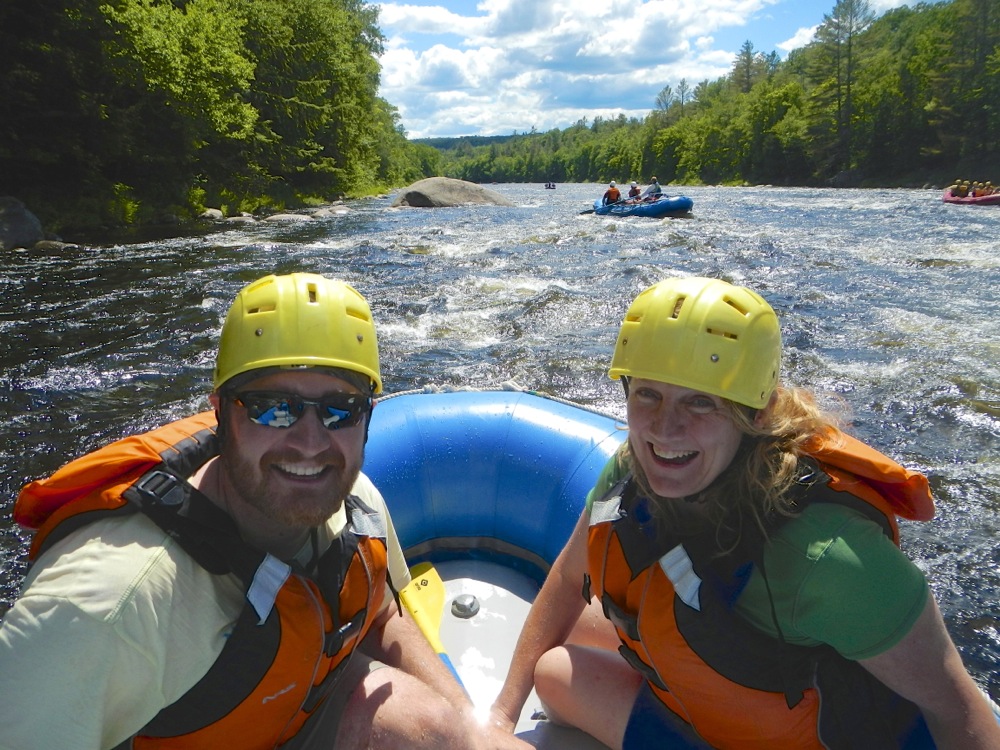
[(166, 226), (20, 227)]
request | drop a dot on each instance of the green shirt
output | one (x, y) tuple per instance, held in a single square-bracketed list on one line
[(835, 577)]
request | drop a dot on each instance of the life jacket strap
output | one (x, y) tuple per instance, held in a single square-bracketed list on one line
[(319, 693), (202, 529), (625, 622), (642, 667)]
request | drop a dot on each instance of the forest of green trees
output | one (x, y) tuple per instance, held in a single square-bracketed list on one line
[(118, 112), (113, 111), (912, 97)]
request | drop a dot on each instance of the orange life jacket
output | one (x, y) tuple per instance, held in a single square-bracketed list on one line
[(671, 599), (288, 647)]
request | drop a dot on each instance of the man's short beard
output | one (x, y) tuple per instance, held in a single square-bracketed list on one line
[(246, 481)]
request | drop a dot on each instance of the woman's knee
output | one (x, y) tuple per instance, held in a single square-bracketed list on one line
[(552, 673), (587, 687)]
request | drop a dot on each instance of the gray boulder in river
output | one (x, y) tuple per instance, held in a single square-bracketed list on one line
[(436, 192), (18, 226)]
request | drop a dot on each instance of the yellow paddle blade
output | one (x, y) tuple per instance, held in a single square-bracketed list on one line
[(423, 598)]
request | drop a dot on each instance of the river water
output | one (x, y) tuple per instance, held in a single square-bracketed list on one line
[(889, 301)]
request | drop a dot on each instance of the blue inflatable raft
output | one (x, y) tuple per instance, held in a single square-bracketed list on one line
[(492, 474), (676, 205)]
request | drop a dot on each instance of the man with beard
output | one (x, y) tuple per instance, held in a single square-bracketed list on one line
[(229, 579)]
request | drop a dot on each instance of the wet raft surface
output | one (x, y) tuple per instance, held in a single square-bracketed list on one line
[(481, 646)]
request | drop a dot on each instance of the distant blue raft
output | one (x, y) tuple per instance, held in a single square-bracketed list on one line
[(675, 205), (491, 473)]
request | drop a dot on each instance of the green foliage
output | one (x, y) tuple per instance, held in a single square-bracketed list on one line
[(241, 103), (124, 207), (193, 56)]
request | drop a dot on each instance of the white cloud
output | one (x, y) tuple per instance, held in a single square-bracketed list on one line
[(424, 19), (505, 65), (881, 6), (801, 38)]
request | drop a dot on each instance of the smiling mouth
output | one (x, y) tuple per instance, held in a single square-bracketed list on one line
[(300, 472), (672, 458)]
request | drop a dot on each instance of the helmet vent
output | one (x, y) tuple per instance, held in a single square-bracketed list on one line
[(358, 313), (724, 334), (741, 310), (260, 309), (312, 294), (677, 307)]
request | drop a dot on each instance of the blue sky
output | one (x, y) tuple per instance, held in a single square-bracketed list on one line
[(462, 67)]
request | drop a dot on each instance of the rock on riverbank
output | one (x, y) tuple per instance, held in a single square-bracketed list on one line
[(18, 226), (439, 192)]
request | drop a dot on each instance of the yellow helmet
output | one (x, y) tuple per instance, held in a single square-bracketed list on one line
[(298, 320), (704, 334)]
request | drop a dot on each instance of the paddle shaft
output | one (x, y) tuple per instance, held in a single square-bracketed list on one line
[(591, 210)]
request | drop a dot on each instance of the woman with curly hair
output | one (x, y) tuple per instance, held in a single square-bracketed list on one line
[(740, 557)]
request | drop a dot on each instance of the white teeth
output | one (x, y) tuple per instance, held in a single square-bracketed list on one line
[(672, 455), (301, 471)]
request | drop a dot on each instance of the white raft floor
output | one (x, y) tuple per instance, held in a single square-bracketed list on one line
[(480, 647)]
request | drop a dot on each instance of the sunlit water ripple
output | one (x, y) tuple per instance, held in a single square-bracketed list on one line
[(889, 300)]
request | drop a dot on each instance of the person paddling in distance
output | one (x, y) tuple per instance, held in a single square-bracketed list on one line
[(634, 191), (612, 194), (229, 580), (653, 191), (742, 584)]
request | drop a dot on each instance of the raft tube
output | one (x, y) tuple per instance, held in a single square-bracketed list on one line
[(490, 474), (970, 200), (677, 205)]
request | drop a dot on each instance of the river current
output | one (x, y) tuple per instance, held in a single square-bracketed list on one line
[(889, 302)]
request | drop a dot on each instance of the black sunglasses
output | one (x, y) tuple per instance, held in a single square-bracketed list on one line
[(275, 409)]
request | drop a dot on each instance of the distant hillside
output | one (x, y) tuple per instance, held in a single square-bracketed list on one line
[(447, 144)]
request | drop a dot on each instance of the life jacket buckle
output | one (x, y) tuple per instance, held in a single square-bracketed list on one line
[(162, 487), (335, 640)]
